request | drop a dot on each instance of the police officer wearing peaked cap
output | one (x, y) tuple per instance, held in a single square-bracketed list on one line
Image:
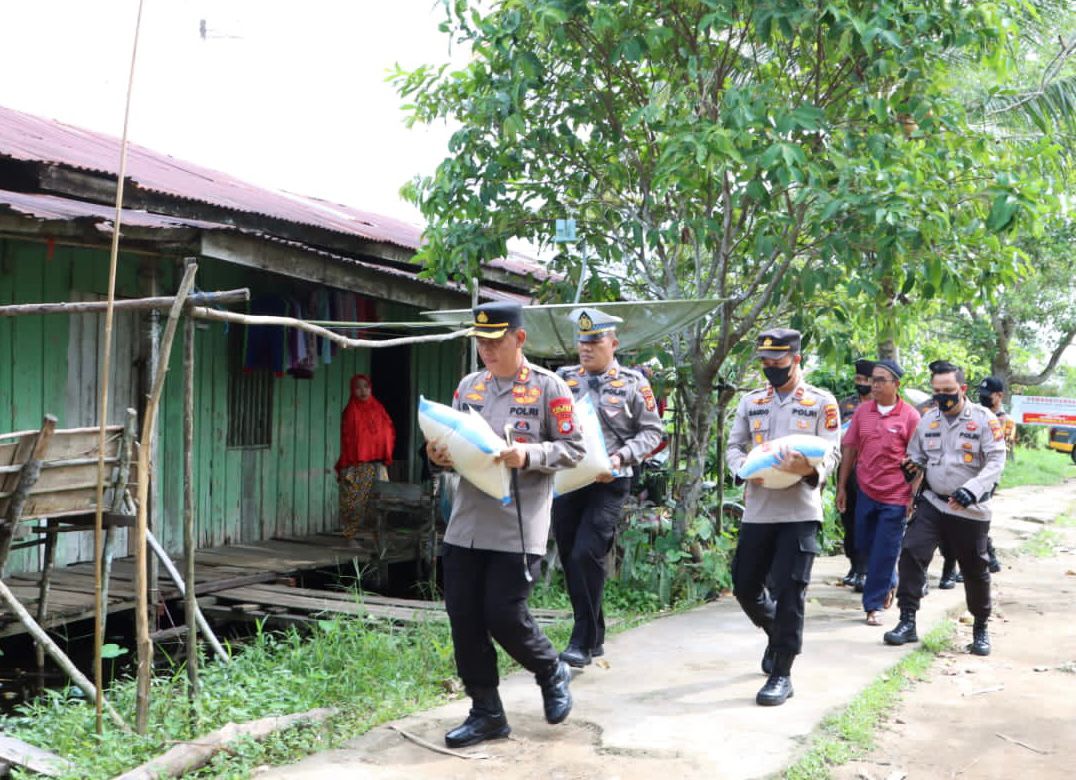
[(959, 448), (779, 532), (486, 588), (585, 520)]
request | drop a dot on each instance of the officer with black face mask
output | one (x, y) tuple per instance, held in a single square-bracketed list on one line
[(857, 571), (779, 533), (959, 448)]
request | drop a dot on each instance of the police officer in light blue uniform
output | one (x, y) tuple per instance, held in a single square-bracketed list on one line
[(585, 520)]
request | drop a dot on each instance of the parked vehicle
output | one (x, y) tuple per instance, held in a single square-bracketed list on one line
[(1063, 439)]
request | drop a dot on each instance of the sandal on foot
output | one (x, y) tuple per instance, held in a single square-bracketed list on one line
[(890, 597), (874, 618)]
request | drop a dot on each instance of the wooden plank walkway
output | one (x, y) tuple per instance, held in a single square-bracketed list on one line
[(221, 568), (267, 601)]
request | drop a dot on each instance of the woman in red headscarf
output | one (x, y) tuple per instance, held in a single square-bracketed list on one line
[(367, 438)]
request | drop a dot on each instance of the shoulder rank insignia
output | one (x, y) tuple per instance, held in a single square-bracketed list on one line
[(617, 383), (475, 397), (524, 394), (572, 383)]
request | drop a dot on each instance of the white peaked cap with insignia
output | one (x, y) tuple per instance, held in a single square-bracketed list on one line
[(592, 324)]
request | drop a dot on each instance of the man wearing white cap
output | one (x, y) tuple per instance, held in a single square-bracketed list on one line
[(585, 520)]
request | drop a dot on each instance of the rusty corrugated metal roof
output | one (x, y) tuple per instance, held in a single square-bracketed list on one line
[(57, 207), (36, 139), (60, 209)]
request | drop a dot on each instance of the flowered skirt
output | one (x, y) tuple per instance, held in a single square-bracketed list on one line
[(356, 483)]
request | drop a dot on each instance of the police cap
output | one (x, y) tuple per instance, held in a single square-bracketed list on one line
[(493, 320), (942, 367), (592, 324), (864, 367), (777, 342), (991, 385)]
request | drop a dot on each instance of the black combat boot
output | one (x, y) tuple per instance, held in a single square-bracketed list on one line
[(778, 688), (597, 651), (948, 577), (859, 582), (485, 721), (905, 630), (980, 638), (556, 697), (576, 656), (850, 577)]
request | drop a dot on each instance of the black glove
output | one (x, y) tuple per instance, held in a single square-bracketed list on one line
[(963, 497), (909, 469)]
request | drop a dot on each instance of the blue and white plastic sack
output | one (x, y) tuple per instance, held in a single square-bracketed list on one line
[(471, 444), (595, 462), (761, 462)]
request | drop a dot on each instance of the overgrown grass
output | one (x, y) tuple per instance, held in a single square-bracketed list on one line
[(850, 733), (371, 672), (1037, 467)]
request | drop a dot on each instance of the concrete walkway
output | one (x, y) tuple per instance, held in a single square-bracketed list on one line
[(677, 694)]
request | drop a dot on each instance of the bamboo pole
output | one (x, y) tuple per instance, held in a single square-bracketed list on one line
[(149, 421), (177, 578), (158, 302), (57, 654), (106, 370), (347, 343), (119, 498), (190, 603), (43, 593)]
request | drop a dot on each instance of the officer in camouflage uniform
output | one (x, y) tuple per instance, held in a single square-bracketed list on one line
[(585, 520), (857, 571), (779, 532), (486, 587), (959, 447)]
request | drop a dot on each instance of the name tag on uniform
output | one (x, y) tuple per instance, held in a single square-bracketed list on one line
[(933, 444)]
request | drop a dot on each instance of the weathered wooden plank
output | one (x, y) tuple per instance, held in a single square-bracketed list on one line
[(7, 334), (15, 751)]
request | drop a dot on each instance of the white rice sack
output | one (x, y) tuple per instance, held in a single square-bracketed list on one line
[(471, 444), (761, 462), (595, 462)]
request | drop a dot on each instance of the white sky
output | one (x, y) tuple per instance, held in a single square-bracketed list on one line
[(286, 95)]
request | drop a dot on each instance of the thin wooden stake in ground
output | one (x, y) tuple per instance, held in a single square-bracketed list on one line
[(149, 422), (106, 370), (190, 603)]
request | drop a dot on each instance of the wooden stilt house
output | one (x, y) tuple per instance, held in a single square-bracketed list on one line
[(267, 416)]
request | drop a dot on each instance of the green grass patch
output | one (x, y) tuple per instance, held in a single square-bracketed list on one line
[(371, 672), (1042, 544), (850, 733), (1037, 467)]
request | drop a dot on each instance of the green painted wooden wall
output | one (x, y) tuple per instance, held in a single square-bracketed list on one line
[(242, 495)]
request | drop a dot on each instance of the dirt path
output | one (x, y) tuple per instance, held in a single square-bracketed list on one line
[(676, 695), (1012, 715)]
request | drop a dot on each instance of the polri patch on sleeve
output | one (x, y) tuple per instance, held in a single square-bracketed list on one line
[(995, 428), (833, 419), (561, 409)]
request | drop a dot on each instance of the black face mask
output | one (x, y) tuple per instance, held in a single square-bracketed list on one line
[(863, 389), (946, 401), (987, 401), (777, 376)]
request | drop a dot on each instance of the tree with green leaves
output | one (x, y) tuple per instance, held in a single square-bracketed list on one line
[(758, 152)]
